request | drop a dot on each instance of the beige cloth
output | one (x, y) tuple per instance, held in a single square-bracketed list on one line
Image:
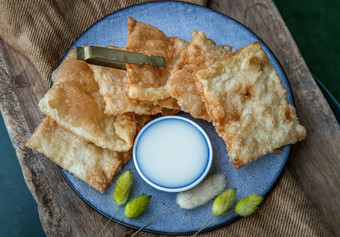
[(43, 30), (285, 212)]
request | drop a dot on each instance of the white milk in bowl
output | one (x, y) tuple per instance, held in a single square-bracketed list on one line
[(172, 153)]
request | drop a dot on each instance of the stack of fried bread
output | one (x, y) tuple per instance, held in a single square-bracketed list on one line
[(93, 113)]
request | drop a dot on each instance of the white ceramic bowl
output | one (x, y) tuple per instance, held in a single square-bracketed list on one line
[(172, 154)]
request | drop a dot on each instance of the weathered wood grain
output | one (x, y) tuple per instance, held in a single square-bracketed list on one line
[(61, 210), (314, 162)]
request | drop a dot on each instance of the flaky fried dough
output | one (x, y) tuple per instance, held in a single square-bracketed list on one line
[(245, 97), (181, 84), (146, 82), (75, 104), (94, 165), (113, 85)]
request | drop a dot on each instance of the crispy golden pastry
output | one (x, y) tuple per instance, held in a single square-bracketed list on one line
[(140, 123), (94, 165), (113, 85), (146, 82), (75, 104), (72, 70), (245, 97), (181, 84)]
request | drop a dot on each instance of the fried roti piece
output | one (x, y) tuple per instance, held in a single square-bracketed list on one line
[(75, 104), (72, 70), (94, 165), (244, 96), (146, 82), (181, 85), (141, 121), (113, 85)]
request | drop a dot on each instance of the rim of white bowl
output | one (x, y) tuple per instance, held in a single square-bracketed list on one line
[(182, 188)]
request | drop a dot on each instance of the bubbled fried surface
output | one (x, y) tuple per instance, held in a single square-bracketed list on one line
[(113, 85), (245, 97), (146, 82), (75, 104), (72, 70), (94, 165), (181, 84)]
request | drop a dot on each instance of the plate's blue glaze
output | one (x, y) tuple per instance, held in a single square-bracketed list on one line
[(177, 19)]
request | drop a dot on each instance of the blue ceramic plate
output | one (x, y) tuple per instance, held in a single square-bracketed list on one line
[(260, 176)]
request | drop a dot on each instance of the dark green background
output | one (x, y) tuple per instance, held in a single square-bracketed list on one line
[(18, 210), (315, 26)]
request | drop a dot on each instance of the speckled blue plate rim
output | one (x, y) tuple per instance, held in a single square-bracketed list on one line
[(289, 97), (62, 171), (207, 229)]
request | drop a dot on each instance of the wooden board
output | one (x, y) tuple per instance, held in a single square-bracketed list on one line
[(315, 162)]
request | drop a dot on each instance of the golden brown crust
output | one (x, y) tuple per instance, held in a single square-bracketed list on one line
[(72, 70), (94, 165), (181, 84), (141, 121), (113, 85), (75, 104), (245, 98), (148, 83)]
